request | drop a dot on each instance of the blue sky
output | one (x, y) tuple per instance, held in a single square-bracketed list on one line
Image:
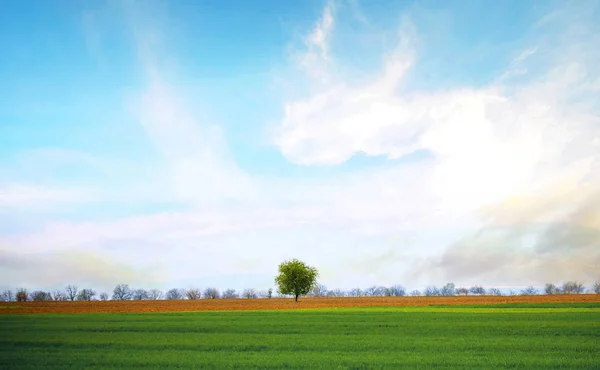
[(200, 143)]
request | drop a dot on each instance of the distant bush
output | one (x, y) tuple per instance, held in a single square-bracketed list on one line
[(230, 294), (140, 295), (22, 295), (211, 293), (462, 291), (477, 290), (175, 294), (86, 295), (40, 296)]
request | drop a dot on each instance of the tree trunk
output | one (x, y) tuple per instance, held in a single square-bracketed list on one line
[(296, 297)]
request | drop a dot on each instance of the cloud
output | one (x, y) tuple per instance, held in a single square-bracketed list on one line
[(31, 195), (199, 165), (329, 127), (318, 38), (357, 12), (194, 152), (520, 254), (86, 269), (520, 148), (315, 59), (494, 183), (488, 142), (516, 66), (550, 234)]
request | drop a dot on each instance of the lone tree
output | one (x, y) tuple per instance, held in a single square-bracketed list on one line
[(296, 278)]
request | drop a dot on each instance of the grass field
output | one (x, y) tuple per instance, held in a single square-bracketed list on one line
[(527, 336)]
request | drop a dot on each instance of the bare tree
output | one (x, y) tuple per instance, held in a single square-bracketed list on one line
[(448, 290), (249, 293), (122, 292), (211, 293), (154, 294), (462, 291), (382, 291), (494, 291), (369, 292), (103, 296), (397, 291), (71, 291), (262, 294), (550, 288), (374, 291), (336, 293), (270, 293), (230, 294), (415, 293), (22, 295), (356, 292), (7, 296), (86, 295), (58, 295), (140, 295), (596, 286), (530, 290), (175, 294), (40, 296), (432, 291), (572, 287), (477, 290), (193, 294), (318, 290)]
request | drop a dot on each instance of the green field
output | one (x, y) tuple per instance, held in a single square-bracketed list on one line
[(517, 336)]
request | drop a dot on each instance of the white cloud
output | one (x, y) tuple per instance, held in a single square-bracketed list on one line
[(498, 153), (84, 268), (196, 160), (340, 120), (194, 152), (488, 143), (316, 58), (12, 195)]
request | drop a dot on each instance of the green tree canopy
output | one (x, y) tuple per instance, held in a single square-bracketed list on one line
[(296, 278)]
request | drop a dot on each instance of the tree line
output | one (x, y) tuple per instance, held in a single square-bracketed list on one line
[(295, 279), (123, 292)]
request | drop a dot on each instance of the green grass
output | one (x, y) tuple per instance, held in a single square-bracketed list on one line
[(515, 336), (530, 305)]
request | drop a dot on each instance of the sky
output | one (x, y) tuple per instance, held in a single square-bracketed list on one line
[(191, 144)]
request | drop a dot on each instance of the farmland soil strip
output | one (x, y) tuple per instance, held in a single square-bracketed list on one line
[(277, 303)]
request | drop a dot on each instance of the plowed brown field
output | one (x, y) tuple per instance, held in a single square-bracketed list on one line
[(274, 304)]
